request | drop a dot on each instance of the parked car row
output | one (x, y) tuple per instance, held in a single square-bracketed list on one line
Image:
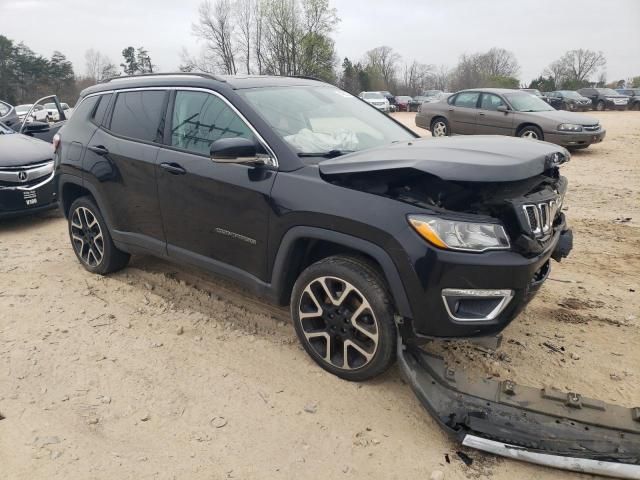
[(495, 111), (401, 103), (590, 98)]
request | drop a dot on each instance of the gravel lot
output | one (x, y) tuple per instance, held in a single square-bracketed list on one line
[(163, 372)]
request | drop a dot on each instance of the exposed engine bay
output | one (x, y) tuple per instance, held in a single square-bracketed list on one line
[(510, 202)]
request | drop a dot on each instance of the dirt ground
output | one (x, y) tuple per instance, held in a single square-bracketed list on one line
[(161, 372)]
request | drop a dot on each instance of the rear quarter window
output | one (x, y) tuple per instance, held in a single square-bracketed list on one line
[(103, 104), (84, 109), (138, 114)]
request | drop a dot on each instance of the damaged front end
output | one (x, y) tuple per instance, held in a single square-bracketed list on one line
[(542, 426)]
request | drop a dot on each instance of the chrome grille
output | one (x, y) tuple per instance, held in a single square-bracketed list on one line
[(25, 177), (591, 128), (540, 216)]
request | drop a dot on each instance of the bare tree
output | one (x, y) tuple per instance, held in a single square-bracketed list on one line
[(441, 78), (215, 26), (581, 64), (245, 11), (416, 77), (98, 66), (384, 61), (499, 62)]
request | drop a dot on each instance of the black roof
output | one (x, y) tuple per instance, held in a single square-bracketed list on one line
[(204, 80)]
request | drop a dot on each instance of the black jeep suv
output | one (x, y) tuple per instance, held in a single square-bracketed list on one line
[(313, 198)]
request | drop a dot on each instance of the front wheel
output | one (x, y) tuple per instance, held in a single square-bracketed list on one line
[(343, 317), (600, 106), (531, 132), (91, 240), (440, 127)]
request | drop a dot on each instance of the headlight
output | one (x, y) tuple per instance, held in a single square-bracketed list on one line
[(456, 235), (569, 127)]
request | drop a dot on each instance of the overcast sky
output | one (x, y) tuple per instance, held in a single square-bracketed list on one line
[(430, 31)]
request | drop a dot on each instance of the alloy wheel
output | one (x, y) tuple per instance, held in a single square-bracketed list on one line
[(338, 323), (530, 134), (439, 129), (86, 236)]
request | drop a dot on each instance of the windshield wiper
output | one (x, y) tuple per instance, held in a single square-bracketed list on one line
[(329, 154)]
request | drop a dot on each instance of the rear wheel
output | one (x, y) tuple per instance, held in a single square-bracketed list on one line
[(569, 106), (440, 127), (343, 317), (91, 240), (531, 132), (600, 106)]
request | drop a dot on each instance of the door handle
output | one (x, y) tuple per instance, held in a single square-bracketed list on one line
[(173, 168), (99, 150), (482, 114)]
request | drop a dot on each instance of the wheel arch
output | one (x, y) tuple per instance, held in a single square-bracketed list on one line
[(528, 124), (71, 187), (301, 246)]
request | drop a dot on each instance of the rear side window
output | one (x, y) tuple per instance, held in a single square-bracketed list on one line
[(200, 118), (84, 109), (98, 114), (466, 99), (138, 114)]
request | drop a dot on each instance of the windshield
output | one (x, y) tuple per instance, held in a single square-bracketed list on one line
[(373, 96), (525, 102), (50, 106), (607, 91), (533, 91), (571, 94), (323, 119), (403, 99)]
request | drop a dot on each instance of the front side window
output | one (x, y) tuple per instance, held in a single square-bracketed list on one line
[(466, 99), (137, 114), (491, 102), (200, 118)]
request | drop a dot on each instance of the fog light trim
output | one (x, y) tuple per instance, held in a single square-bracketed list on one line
[(505, 297)]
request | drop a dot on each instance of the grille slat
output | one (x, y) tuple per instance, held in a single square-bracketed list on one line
[(541, 216)]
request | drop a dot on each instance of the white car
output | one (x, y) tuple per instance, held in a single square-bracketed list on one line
[(50, 112), (377, 100)]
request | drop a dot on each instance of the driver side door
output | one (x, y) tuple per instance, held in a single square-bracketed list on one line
[(215, 215)]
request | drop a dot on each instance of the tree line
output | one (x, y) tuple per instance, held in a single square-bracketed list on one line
[(290, 37)]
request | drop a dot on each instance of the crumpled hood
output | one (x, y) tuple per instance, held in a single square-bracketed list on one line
[(17, 150), (478, 158)]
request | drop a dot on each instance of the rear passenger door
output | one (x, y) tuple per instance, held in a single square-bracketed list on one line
[(489, 120), (463, 113), (215, 215), (120, 164)]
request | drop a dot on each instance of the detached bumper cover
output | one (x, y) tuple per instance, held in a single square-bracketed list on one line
[(544, 426)]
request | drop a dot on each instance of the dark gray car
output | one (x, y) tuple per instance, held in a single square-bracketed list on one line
[(495, 111)]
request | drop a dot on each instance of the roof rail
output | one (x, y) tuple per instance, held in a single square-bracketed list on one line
[(309, 77), (166, 74)]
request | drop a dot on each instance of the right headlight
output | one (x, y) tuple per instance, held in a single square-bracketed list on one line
[(569, 127), (458, 235)]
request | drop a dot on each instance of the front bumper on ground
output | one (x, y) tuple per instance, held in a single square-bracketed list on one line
[(543, 426), (578, 139)]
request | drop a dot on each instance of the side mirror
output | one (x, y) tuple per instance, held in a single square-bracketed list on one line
[(35, 127), (236, 150), (503, 109)]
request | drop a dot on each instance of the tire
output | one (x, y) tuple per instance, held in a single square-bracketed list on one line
[(531, 132), (600, 106), (440, 127), (325, 318), (569, 106), (91, 240)]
